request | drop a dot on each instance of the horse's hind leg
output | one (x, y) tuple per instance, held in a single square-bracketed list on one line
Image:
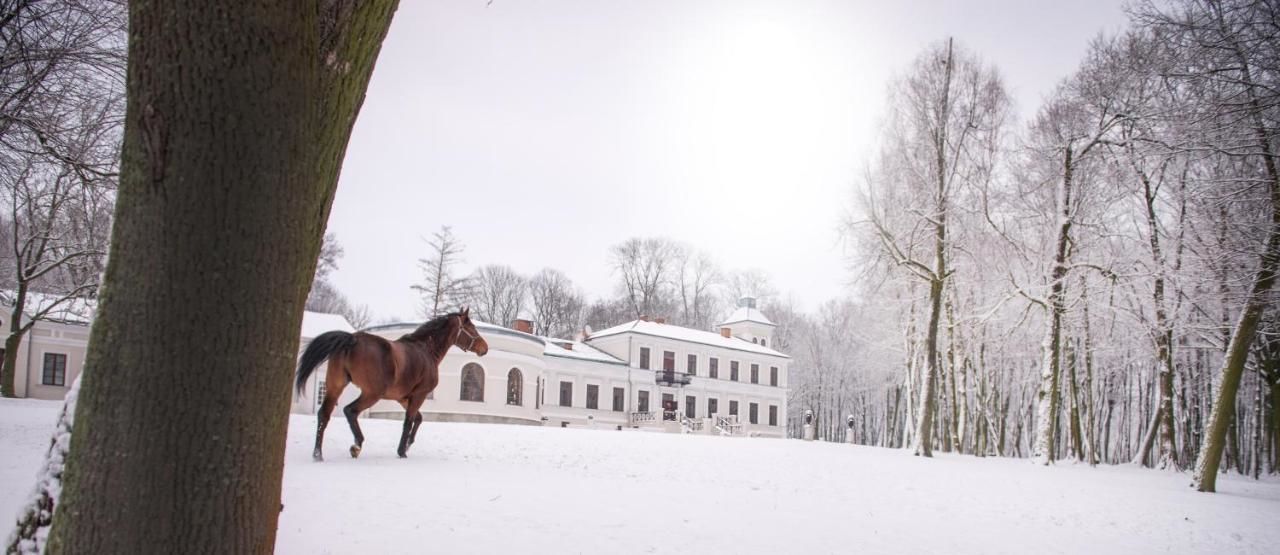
[(353, 410), (335, 382)]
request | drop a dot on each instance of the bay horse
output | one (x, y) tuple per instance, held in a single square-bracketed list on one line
[(404, 370)]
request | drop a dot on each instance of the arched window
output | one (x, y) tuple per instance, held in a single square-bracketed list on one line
[(472, 382), (515, 387)]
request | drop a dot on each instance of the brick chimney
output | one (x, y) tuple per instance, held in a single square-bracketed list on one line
[(725, 333), (522, 325)]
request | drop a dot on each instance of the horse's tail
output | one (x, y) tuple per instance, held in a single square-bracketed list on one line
[(322, 347)]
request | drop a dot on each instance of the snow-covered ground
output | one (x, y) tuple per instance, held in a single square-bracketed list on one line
[(477, 488)]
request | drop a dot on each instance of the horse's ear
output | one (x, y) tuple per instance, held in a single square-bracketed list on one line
[(466, 311)]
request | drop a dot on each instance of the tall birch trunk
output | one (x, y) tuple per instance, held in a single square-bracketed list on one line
[(1047, 397)]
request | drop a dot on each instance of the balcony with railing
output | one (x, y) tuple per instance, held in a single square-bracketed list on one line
[(671, 378)]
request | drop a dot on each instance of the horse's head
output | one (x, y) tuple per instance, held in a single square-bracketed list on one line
[(468, 338)]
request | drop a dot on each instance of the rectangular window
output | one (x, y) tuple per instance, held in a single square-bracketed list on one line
[(566, 394), (618, 394), (692, 367), (690, 407), (593, 396), (644, 357), (55, 369), (733, 370), (773, 376), (773, 415), (669, 361), (733, 408), (753, 413), (755, 373), (643, 402), (713, 368), (713, 406)]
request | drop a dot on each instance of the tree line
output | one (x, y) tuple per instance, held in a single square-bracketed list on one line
[(1095, 284), (655, 277)]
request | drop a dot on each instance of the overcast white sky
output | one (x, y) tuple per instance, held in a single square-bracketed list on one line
[(545, 131)]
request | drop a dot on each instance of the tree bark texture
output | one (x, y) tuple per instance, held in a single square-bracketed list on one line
[(237, 121)]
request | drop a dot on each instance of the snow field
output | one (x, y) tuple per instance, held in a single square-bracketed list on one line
[(481, 488)]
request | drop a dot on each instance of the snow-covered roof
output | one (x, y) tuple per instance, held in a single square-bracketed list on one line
[(482, 327), (747, 314), (76, 310), (316, 323), (580, 351), (686, 334)]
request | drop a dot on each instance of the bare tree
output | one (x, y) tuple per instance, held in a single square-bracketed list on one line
[(496, 294), (697, 281), (557, 304), (941, 114), (749, 283), (441, 290), (1228, 51), (325, 296), (61, 106), (604, 313), (646, 268), (330, 253)]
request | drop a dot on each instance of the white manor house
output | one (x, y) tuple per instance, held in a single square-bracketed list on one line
[(639, 375)]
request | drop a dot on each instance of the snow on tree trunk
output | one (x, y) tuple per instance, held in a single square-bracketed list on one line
[(36, 517), (1051, 346)]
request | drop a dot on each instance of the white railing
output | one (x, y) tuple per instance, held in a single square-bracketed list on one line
[(691, 425), (642, 417), (728, 425)]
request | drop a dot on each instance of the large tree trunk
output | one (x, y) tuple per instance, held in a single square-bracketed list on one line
[(237, 121)]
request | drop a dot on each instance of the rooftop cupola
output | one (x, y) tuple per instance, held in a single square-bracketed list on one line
[(749, 324)]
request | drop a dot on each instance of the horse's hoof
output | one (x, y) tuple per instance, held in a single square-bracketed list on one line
[(355, 451), (317, 457), (402, 454)]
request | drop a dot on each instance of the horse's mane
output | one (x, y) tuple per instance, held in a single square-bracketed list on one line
[(431, 328)]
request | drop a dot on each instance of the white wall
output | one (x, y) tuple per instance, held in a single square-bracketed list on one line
[(627, 346)]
